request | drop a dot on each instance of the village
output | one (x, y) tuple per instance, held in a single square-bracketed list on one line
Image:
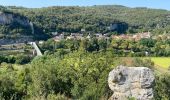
[(80, 36), (136, 37), (57, 37)]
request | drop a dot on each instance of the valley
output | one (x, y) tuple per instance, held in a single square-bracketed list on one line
[(68, 53)]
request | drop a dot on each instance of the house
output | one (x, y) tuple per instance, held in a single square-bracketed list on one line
[(146, 35), (115, 37), (40, 42), (59, 38), (107, 34), (88, 36), (83, 30), (99, 36), (77, 36), (136, 37), (123, 36), (142, 35)]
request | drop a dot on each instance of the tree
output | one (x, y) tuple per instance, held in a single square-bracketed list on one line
[(161, 89), (103, 44), (23, 59)]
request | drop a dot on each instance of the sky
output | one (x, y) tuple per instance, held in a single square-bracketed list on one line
[(158, 4)]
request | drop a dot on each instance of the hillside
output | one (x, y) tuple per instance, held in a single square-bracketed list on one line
[(15, 27), (92, 19), (12, 23)]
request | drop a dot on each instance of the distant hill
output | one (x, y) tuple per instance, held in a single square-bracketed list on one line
[(91, 18)]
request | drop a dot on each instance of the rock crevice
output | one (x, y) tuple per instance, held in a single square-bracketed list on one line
[(134, 82)]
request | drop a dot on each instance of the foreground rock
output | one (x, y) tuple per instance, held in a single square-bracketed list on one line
[(126, 82)]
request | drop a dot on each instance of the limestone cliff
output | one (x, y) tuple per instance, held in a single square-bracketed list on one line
[(9, 18)]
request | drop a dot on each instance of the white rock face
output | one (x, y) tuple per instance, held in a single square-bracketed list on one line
[(134, 82), (7, 18)]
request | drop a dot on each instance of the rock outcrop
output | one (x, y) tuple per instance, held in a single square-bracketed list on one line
[(8, 18), (127, 82)]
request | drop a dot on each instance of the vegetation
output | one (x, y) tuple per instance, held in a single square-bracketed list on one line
[(162, 87), (78, 69), (161, 61), (94, 19), (120, 48), (18, 59), (78, 75), (69, 69)]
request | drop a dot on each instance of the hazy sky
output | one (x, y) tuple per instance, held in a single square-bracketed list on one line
[(159, 4)]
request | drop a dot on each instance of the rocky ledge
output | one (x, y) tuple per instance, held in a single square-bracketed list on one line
[(127, 82)]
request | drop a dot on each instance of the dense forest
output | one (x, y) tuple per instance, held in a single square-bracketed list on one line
[(94, 19)]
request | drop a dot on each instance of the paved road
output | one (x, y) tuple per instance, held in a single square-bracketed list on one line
[(36, 48)]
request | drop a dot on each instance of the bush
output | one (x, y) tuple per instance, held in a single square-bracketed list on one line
[(139, 62), (23, 59), (162, 86)]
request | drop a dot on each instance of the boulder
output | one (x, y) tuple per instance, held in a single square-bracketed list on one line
[(127, 82)]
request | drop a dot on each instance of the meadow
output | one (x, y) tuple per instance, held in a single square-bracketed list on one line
[(160, 63), (163, 62)]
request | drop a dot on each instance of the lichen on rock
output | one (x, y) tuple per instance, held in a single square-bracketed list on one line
[(136, 82)]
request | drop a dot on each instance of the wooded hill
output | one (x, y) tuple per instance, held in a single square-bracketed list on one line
[(92, 18)]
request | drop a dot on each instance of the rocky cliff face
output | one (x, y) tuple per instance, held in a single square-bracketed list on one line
[(134, 82), (9, 18), (5, 18)]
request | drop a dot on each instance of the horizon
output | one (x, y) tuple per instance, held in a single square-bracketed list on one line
[(153, 4), (82, 6)]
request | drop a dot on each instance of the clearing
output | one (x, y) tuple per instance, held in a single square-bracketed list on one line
[(163, 62)]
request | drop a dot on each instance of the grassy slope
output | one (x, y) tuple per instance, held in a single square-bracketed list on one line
[(163, 62)]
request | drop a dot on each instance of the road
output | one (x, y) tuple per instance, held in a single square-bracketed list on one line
[(36, 48)]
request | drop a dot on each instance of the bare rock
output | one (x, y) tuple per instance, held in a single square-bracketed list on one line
[(5, 18), (8, 18), (134, 82)]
